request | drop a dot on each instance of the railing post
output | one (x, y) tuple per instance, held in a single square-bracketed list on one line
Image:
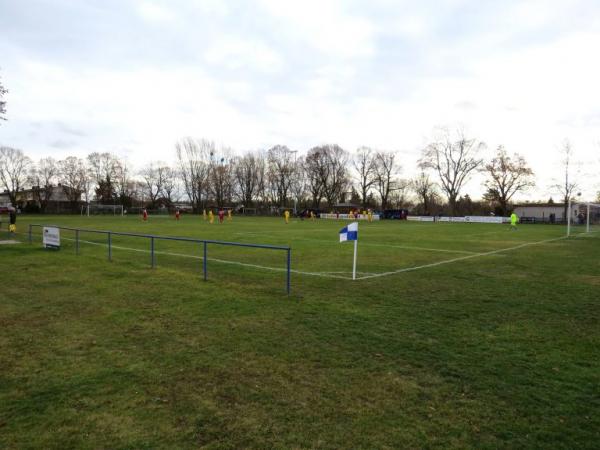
[(289, 270), (109, 246), (77, 242), (30, 236), (152, 252), (205, 263)]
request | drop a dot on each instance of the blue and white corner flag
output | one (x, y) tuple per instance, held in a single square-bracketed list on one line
[(350, 233)]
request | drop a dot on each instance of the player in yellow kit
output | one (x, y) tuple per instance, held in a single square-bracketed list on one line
[(12, 227), (229, 215), (211, 216), (286, 216)]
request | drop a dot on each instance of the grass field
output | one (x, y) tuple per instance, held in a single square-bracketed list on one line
[(454, 336)]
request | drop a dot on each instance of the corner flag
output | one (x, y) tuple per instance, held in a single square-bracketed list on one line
[(350, 233)]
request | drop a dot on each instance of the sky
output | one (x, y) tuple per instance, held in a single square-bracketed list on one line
[(132, 77)]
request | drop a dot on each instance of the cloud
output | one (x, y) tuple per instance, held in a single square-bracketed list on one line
[(133, 77), (69, 129), (154, 12), (63, 144), (326, 26), (238, 53)]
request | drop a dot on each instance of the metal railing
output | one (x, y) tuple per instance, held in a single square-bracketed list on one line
[(205, 243)]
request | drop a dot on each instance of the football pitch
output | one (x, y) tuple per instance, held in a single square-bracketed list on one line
[(453, 336)]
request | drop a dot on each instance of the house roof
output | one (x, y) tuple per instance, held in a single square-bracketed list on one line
[(556, 205), (540, 205)]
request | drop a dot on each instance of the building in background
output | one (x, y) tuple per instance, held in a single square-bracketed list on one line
[(555, 212), (61, 199)]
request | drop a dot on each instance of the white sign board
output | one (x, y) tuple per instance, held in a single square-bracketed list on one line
[(51, 237), (348, 217), (485, 219), (421, 218)]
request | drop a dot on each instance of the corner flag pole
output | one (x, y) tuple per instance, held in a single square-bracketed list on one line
[(354, 265)]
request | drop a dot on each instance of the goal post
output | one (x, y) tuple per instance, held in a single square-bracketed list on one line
[(96, 209), (592, 217)]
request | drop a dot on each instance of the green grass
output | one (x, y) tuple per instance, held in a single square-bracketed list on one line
[(489, 351)]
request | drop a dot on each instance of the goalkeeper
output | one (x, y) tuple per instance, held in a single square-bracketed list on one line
[(514, 219)]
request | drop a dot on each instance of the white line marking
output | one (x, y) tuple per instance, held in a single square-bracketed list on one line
[(370, 244), (333, 274), (448, 261), (223, 261)]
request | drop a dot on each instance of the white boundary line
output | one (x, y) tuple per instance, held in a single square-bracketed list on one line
[(334, 274), (448, 261), (368, 244), (223, 261)]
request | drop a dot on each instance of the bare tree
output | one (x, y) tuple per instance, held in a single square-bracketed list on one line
[(453, 159), (103, 170), (261, 177), (125, 187), (3, 92), (315, 171), (246, 172), (568, 186), (424, 188), (168, 178), (74, 178), (364, 164), (398, 196), (14, 171), (338, 180), (328, 164), (102, 165), (299, 184), (507, 176), (220, 177), (193, 157), (386, 169), (152, 182), (44, 176), (281, 167)]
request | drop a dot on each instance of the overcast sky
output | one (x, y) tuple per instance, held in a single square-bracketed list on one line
[(132, 77)]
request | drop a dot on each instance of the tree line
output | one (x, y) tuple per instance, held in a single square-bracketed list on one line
[(206, 175)]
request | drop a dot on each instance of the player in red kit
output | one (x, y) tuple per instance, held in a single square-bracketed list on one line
[(221, 215), (177, 214), (145, 215)]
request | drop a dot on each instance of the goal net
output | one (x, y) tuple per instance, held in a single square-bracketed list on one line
[(592, 217), (94, 210)]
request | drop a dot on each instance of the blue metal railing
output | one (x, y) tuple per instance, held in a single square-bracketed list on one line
[(153, 237)]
